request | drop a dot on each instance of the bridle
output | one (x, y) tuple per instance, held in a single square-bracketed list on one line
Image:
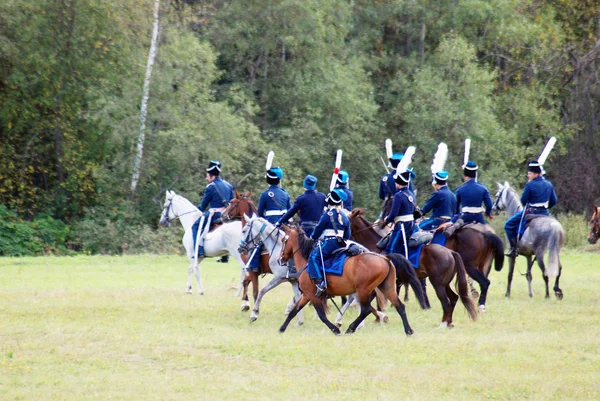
[(499, 196), (251, 242), (168, 207), (226, 216), (283, 247)]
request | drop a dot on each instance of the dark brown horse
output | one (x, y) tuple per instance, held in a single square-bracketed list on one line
[(595, 226), (478, 245), (436, 262), (361, 275)]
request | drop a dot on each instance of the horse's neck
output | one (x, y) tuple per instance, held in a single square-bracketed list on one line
[(513, 203), (274, 240), (187, 212)]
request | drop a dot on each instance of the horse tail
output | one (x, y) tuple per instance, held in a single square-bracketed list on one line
[(498, 246), (463, 286), (403, 268), (556, 241)]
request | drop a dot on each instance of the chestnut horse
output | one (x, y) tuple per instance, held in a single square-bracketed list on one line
[(595, 223), (436, 262), (361, 275)]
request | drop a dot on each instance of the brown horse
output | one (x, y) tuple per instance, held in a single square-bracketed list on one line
[(240, 205), (477, 246), (595, 223), (436, 262), (361, 275)]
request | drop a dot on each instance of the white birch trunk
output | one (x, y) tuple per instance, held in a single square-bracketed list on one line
[(144, 109)]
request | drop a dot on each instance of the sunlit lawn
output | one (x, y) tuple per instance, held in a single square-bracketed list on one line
[(122, 328)]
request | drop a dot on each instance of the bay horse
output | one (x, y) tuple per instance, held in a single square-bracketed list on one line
[(543, 235), (361, 275), (269, 263), (238, 207), (221, 241), (438, 263), (595, 226)]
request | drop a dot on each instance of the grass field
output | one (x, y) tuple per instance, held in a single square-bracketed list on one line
[(121, 328)]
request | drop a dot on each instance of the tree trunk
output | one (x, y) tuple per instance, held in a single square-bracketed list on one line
[(144, 109)]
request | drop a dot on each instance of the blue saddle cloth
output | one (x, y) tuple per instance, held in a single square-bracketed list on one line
[(414, 253), (335, 264)]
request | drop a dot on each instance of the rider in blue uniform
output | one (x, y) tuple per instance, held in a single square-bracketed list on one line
[(342, 182), (470, 196), (217, 195), (387, 185), (442, 203), (334, 225), (538, 196), (309, 206), (273, 203), (402, 215)]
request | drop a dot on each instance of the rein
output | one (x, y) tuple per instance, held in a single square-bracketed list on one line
[(170, 206)]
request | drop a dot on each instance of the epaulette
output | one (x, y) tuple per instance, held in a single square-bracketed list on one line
[(385, 178)]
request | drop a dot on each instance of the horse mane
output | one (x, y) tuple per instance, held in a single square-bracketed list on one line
[(305, 243)]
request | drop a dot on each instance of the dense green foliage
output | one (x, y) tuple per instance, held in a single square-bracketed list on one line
[(234, 79)]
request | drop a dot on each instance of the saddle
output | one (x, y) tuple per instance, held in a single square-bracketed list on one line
[(419, 238), (351, 249), (530, 216)]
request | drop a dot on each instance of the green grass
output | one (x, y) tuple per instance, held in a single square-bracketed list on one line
[(121, 328)]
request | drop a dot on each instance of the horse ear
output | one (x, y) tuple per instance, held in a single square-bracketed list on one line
[(248, 194), (506, 184), (170, 194), (500, 186), (246, 218)]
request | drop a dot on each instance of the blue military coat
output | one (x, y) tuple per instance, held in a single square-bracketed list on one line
[(273, 203), (473, 194), (216, 195), (309, 207), (539, 192), (442, 203)]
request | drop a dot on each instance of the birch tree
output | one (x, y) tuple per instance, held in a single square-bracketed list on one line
[(144, 109)]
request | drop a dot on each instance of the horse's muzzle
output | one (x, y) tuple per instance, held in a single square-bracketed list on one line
[(592, 240), (165, 223)]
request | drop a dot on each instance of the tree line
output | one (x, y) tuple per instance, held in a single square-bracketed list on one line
[(235, 79)]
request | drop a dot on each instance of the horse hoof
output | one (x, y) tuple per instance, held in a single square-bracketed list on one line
[(299, 323), (507, 295), (443, 325), (200, 292), (482, 309), (245, 308), (386, 319), (338, 324), (336, 331), (410, 332), (253, 318), (188, 291), (559, 295)]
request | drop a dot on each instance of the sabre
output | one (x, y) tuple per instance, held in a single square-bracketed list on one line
[(384, 165)]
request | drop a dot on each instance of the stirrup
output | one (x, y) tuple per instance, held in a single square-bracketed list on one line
[(321, 288)]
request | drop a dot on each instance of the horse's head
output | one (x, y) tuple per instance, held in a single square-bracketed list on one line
[(595, 223), (501, 197), (168, 214), (357, 220), (238, 207), (293, 242), (255, 232)]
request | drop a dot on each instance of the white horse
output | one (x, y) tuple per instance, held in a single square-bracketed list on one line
[(258, 230), (222, 241)]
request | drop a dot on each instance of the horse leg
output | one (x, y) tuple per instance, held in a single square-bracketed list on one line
[(511, 270), (440, 290), (338, 319), (557, 291), (297, 295), (388, 289), (188, 288), (365, 310), (474, 292), (406, 293), (542, 266), (453, 300), (297, 308), (245, 302), (275, 281), (320, 308), (529, 276), (197, 274), (424, 287), (484, 284)]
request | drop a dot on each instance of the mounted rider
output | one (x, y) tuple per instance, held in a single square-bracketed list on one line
[(273, 203), (217, 195), (342, 183), (309, 206), (403, 209), (538, 196), (472, 194), (442, 203), (387, 185), (334, 226)]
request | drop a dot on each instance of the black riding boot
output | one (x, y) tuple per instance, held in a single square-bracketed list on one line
[(224, 259), (321, 287), (513, 248)]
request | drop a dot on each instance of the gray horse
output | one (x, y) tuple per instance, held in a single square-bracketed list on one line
[(544, 234)]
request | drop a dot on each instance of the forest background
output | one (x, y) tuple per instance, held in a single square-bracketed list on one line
[(235, 79)]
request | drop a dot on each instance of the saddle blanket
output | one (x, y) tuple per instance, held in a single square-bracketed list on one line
[(335, 264), (414, 253)]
